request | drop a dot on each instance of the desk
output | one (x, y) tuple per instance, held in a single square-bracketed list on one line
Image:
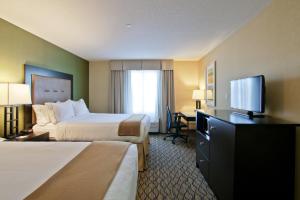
[(190, 118)]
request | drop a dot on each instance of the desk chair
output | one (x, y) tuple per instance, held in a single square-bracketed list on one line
[(174, 123)]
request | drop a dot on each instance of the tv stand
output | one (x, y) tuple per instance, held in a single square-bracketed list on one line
[(244, 158), (252, 115), (249, 115)]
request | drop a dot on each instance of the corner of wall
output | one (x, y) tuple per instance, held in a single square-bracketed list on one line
[(99, 86)]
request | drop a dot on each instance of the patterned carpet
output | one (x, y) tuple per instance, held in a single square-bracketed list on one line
[(171, 172)]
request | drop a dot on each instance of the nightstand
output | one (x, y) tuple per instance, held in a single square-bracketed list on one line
[(36, 136)]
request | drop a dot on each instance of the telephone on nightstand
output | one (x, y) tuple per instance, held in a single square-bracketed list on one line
[(26, 132)]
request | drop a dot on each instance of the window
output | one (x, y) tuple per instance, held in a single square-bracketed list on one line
[(142, 93)]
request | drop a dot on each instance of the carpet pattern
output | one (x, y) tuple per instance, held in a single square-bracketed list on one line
[(171, 172)]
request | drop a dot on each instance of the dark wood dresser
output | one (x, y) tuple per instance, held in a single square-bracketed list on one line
[(244, 158)]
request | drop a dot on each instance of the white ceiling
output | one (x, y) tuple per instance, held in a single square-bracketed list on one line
[(160, 29)]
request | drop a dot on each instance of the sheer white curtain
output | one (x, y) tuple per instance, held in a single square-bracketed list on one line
[(142, 88)]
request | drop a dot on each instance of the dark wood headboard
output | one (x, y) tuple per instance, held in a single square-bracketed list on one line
[(46, 86)]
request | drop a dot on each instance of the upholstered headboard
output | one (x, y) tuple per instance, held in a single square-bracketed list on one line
[(46, 86), (49, 89)]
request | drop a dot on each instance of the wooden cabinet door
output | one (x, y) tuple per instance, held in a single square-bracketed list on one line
[(221, 165), (202, 154)]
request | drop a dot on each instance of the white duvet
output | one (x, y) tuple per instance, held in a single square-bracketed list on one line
[(24, 166), (93, 127)]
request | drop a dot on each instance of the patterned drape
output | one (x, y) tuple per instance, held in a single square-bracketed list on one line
[(167, 97), (117, 91)]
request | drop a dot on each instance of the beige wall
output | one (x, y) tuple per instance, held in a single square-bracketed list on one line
[(99, 82), (269, 45), (186, 78)]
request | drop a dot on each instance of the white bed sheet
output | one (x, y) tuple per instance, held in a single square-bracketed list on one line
[(51, 128), (94, 127), (24, 166)]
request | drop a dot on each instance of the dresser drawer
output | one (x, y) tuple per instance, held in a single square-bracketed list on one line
[(202, 144), (203, 164)]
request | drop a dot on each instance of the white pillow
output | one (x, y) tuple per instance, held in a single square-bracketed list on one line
[(80, 107), (51, 113), (41, 114), (63, 111)]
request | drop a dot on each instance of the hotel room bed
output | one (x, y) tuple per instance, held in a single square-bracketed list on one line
[(93, 127), (51, 86), (99, 127), (26, 166)]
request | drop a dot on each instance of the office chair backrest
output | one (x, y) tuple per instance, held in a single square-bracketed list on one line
[(169, 118)]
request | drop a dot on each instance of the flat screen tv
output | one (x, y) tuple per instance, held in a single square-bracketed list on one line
[(248, 94)]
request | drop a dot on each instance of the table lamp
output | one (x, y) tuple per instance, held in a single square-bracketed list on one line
[(12, 95), (198, 95)]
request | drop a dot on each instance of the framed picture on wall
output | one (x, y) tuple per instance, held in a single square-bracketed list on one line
[(211, 84)]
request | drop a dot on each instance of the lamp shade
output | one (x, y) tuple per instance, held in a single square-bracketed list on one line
[(198, 95), (14, 94)]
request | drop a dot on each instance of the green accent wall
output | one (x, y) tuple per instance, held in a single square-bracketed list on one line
[(19, 47)]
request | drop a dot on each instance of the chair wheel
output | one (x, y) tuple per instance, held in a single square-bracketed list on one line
[(173, 141), (164, 138)]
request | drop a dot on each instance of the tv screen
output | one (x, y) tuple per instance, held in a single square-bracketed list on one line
[(248, 94)]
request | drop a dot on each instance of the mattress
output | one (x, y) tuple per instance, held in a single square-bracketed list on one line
[(94, 127), (24, 166)]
